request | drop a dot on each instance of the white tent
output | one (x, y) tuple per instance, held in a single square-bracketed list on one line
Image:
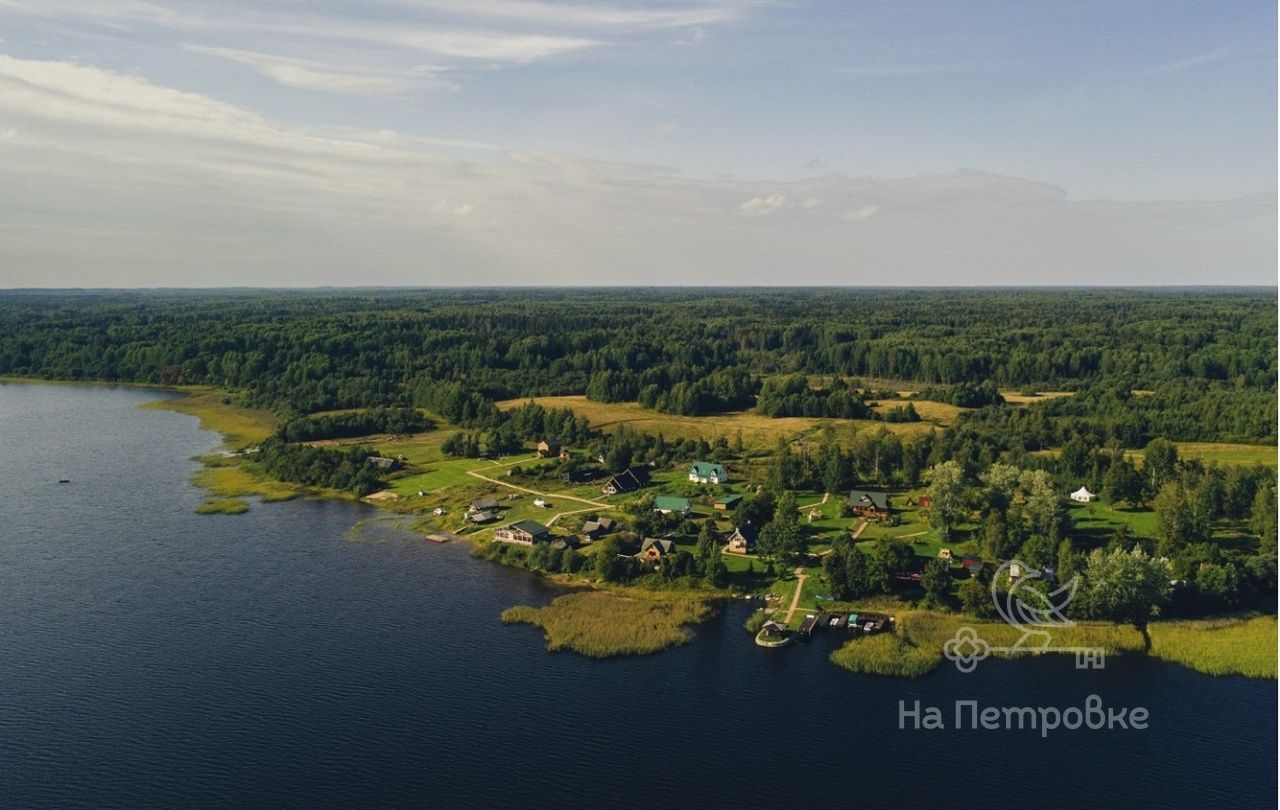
[(1083, 495)]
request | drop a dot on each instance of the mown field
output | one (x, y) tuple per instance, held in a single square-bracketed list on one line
[(757, 431)]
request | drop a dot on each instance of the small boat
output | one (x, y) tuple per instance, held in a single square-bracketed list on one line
[(64, 480)]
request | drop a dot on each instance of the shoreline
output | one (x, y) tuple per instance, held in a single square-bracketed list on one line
[(225, 478)]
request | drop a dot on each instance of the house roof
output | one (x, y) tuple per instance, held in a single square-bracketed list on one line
[(484, 503), (481, 516), (532, 527), (671, 503), (706, 469), (630, 479), (601, 525), (729, 499), (663, 546), (746, 531), (860, 497), (1083, 491), (548, 443)]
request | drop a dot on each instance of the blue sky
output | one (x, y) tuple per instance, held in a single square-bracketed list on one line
[(285, 142)]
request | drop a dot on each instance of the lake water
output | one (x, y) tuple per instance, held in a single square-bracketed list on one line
[(152, 657)]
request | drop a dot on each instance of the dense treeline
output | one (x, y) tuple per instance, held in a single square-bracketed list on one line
[(345, 469), (1208, 356), (793, 396), (353, 423)]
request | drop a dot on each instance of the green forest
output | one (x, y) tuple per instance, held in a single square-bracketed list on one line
[(1132, 372), (1204, 360)]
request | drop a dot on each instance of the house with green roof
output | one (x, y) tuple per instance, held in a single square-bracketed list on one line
[(707, 472), (727, 502), (666, 504), (523, 532)]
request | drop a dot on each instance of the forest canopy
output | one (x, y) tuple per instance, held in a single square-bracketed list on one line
[(1204, 360)]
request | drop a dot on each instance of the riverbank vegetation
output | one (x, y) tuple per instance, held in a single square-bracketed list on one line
[(222, 506), (915, 645), (1225, 646), (602, 624)]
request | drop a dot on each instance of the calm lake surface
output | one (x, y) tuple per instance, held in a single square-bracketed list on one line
[(152, 657)]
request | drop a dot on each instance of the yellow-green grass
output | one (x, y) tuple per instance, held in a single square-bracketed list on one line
[(1230, 646), (240, 481), (757, 430), (1224, 453), (1015, 398), (240, 427), (914, 647), (602, 624), (1101, 519), (940, 412), (222, 506), (1219, 452)]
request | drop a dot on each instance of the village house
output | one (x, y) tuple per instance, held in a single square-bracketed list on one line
[(1083, 495), (973, 565), (548, 448), (668, 504), (384, 463), (654, 549), (628, 480), (743, 539), (727, 502), (523, 532), (594, 529), (870, 505), (706, 472), (481, 516)]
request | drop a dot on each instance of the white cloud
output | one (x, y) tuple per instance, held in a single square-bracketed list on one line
[(759, 206), (113, 180), (310, 75)]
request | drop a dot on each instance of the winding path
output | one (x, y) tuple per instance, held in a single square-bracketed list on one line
[(591, 505)]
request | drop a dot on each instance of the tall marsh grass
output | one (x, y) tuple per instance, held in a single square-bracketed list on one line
[(1231, 646), (602, 624)]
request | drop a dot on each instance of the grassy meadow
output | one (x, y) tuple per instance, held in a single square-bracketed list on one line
[(758, 431)]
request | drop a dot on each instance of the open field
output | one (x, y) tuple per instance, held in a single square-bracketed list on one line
[(757, 431), (1224, 453), (939, 412), (1232, 646), (1218, 452), (1012, 396), (603, 624), (1098, 520), (240, 427)]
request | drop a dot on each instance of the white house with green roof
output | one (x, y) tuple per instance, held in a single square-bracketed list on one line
[(707, 472)]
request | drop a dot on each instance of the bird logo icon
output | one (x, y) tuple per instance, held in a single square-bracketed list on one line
[(1028, 608), (1033, 610)]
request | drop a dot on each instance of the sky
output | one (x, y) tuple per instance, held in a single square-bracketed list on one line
[(287, 143)]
